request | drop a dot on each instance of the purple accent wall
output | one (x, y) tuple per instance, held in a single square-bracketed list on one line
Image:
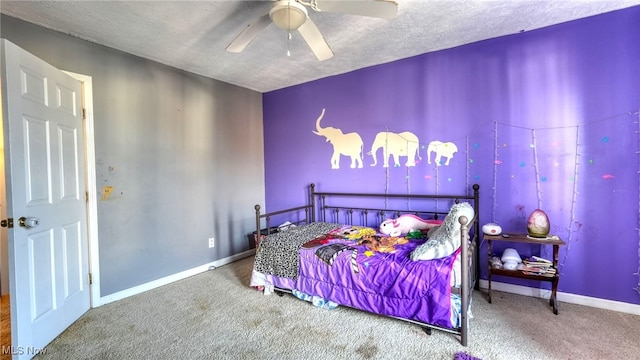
[(544, 118)]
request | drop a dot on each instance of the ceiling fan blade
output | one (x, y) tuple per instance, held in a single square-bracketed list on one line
[(374, 8), (250, 33), (316, 41)]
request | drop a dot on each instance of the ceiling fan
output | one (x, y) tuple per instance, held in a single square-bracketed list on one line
[(292, 15)]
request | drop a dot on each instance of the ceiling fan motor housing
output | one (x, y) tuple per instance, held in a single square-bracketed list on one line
[(288, 15)]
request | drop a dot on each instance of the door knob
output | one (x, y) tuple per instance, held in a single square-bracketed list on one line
[(28, 222)]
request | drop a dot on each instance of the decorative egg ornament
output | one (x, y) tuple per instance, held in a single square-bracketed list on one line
[(538, 224)]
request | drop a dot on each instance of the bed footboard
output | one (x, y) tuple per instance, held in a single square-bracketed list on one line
[(294, 211)]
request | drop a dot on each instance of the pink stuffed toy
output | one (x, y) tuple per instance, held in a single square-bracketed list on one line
[(405, 224)]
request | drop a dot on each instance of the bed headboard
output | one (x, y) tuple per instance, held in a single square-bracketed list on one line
[(370, 208), (338, 206)]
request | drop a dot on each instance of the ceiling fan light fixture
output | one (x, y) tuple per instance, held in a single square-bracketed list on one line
[(288, 15)]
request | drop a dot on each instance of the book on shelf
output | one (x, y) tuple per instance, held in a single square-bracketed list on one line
[(535, 261), (539, 259), (541, 271)]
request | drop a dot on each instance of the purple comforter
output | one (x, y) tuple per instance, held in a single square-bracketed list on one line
[(382, 283)]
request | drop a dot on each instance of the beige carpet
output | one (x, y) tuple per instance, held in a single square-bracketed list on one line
[(215, 315)]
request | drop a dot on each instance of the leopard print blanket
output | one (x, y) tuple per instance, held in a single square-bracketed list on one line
[(278, 253)]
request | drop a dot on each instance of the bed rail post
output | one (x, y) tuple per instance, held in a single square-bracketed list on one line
[(313, 203), (464, 291), (257, 207)]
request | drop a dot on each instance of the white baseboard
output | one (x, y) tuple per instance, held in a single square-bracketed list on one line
[(171, 278), (564, 297), (498, 286)]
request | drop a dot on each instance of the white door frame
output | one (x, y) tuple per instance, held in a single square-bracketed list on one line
[(4, 235), (92, 198)]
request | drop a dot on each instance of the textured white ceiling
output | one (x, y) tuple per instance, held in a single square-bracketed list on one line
[(192, 35)]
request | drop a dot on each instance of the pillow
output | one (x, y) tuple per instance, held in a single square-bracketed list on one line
[(444, 240)]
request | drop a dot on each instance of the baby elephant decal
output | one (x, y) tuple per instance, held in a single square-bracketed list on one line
[(343, 144), (396, 145), (446, 149)]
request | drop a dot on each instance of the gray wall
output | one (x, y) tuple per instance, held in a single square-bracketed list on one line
[(183, 153)]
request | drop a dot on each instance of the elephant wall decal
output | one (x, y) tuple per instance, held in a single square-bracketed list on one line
[(349, 144), (442, 149), (396, 145)]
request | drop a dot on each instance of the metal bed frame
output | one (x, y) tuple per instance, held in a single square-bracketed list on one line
[(332, 213)]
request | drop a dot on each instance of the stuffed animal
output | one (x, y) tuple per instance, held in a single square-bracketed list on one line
[(405, 224)]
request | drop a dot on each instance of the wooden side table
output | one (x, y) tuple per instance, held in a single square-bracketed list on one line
[(523, 238)]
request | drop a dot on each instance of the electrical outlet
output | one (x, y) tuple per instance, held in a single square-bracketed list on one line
[(212, 242)]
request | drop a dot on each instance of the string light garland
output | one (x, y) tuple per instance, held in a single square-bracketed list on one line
[(573, 221), (407, 178), (494, 188), (386, 170), (574, 195), (409, 144), (536, 166), (467, 174), (574, 225), (534, 147), (385, 154)]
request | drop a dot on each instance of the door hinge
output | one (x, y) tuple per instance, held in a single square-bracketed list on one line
[(8, 223), (90, 279), (84, 114), (86, 196)]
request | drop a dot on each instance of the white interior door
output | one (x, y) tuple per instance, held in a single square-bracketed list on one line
[(48, 262)]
